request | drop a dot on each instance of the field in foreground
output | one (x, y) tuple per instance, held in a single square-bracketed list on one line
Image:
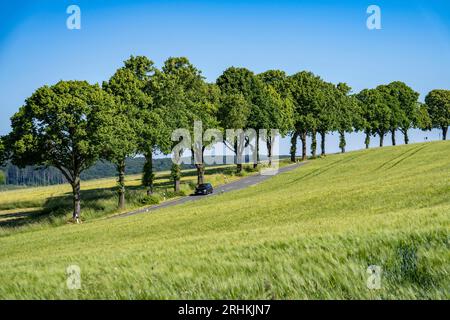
[(310, 233)]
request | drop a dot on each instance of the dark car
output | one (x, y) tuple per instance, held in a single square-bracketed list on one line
[(204, 188)]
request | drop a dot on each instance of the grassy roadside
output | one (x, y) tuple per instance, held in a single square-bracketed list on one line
[(41, 207)]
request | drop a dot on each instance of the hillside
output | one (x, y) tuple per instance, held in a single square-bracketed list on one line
[(310, 233)]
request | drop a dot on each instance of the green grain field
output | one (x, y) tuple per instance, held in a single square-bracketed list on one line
[(306, 234)]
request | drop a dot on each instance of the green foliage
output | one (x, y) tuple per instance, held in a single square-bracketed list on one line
[(3, 151), (148, 176), (234, 110), (375, 111), (58, 124), (402, 103), (438, 106), (254, 101), (2, 177), (346, 109), (250, 169), (278, 80), (175, 172), (422, 117), (237, 86), (61, 126), (278, 108), (173, 194), (308, 98), (139, 126), (181, 92), (141, 66), (122, 134), (150, 199)]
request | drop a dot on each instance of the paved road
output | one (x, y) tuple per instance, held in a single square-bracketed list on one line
[(232, 186)]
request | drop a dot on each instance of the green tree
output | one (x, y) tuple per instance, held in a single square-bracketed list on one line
[(204, 109), (3, 150), (241, 86), (153, 137), (411, 114), (365, 100), (422, 118), (307, 96), (139, 93), (402, 101), (327, 113), (346, 113), (278, 106), (389, 100), (180, 91), (438, 107), (282, 84), (121, 136), (61, 126), (234, 111), (376, 114), (3, 158)]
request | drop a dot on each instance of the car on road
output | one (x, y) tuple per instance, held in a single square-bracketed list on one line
[(203, 189)]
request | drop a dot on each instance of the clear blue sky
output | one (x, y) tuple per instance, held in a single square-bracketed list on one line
[(329, 38)]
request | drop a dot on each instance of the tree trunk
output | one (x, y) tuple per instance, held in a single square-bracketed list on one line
[(148, 176), (322, 142), (238, 158), (269, 150), (176, 185), (313, 143), (294, 145), (393, 136), (255, 165), (303, 138), (405, 135), (367, 140), (175, 175), (200, 166), (76, 199), (200, 173), (444, 133), (177, 172), (381, 139), (342, 142), (121, 182)]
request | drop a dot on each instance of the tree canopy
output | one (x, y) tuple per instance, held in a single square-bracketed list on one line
[(61, 126), (438, 106)]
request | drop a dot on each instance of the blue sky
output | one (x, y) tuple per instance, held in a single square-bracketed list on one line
[(329, 38)]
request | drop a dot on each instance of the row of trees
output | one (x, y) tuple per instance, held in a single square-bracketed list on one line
[(72, 124)]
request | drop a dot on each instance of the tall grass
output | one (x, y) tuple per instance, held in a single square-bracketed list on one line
[(38, 207)]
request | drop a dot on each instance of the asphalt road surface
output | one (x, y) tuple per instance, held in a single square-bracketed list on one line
[(232, 186)]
